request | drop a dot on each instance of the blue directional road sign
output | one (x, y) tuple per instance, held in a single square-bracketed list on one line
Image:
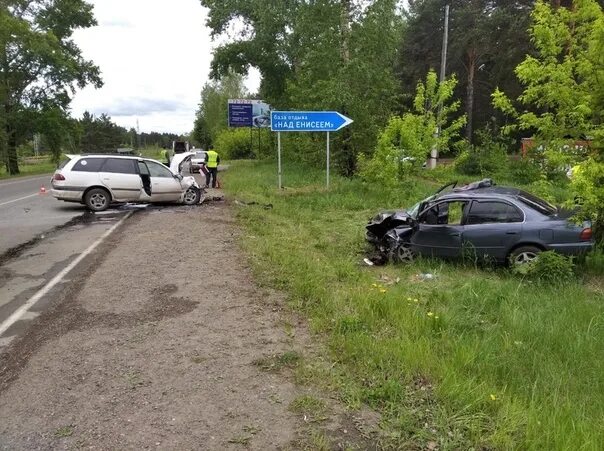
[(308, 121)]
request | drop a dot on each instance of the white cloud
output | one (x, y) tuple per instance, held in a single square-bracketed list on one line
[(154, 57)]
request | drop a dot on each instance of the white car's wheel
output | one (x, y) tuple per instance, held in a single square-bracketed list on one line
[(97, 199), (192, 196)]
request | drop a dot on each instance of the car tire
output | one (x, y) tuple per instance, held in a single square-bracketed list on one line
[(97, 199), (523, 255), (402, 253), (192, 196)]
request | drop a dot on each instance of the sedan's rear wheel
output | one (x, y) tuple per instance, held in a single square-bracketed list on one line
[(524, 254), (402, 253)]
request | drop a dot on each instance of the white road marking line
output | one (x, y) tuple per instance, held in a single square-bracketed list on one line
[(16, 200), (17, 314)]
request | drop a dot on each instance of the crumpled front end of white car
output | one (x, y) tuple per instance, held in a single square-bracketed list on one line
[(189, 184), (189, 181)]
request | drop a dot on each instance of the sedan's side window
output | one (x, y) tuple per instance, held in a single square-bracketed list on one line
[(493, 212), (445, 213), (157, 170)]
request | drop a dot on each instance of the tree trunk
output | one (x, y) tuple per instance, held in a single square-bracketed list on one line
[(470, 93), (345, 9), (11, 148), (348, 158), (12, 164)]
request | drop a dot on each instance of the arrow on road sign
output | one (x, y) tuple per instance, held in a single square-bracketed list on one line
[(308, 121)]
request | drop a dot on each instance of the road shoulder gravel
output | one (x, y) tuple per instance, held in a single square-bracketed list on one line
[(161, 345)]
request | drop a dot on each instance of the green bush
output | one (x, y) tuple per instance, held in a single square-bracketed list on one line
[(594, 261), (406, 141), (588, 184), (544, 189), (243, 143), (549, 267), (484, 160), (401, 150), (25, 150), (524, 171), (234, 144)]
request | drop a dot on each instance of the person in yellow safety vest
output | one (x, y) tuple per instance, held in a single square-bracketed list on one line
[(212, 166), (166, 156)]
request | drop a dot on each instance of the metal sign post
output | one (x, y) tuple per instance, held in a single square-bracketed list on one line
[(307, 121), (279, 158), (327, 159), (443, 66)]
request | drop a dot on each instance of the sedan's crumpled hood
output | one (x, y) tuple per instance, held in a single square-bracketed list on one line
[(387, 220), (389, 215)]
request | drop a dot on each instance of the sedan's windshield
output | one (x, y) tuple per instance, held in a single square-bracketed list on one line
[(413, 211)]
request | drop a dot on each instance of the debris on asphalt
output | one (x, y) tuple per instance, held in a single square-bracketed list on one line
[(205, 199)]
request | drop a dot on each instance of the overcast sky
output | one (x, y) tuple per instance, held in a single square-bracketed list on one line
[(154, 58)]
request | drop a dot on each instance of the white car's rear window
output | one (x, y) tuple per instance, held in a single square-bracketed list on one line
[(63, 163)]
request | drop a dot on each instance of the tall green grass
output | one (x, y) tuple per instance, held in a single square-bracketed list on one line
[(42, 167), (474, 358)]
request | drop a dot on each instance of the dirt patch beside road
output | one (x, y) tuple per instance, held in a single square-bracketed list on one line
[(161, 346)]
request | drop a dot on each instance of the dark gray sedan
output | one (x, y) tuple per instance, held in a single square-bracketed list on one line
[(481, 221)]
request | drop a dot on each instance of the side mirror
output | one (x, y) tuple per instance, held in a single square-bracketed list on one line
[(178, 177)]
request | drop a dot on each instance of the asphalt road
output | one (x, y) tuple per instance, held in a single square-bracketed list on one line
[(60, 237), (25, 213), (30, 279)]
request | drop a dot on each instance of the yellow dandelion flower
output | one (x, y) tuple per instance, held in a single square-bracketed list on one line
[(409, 299), (415, 300), (374, 285), (382, 290), (493, 397), (430, 313), (436, 317)]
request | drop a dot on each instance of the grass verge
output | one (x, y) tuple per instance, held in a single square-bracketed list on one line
[(44, 167), (472, 358)]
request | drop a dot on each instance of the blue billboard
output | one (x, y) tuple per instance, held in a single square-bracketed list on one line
[(249, 113)]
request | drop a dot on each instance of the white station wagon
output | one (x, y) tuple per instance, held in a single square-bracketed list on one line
[(99, 180)]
